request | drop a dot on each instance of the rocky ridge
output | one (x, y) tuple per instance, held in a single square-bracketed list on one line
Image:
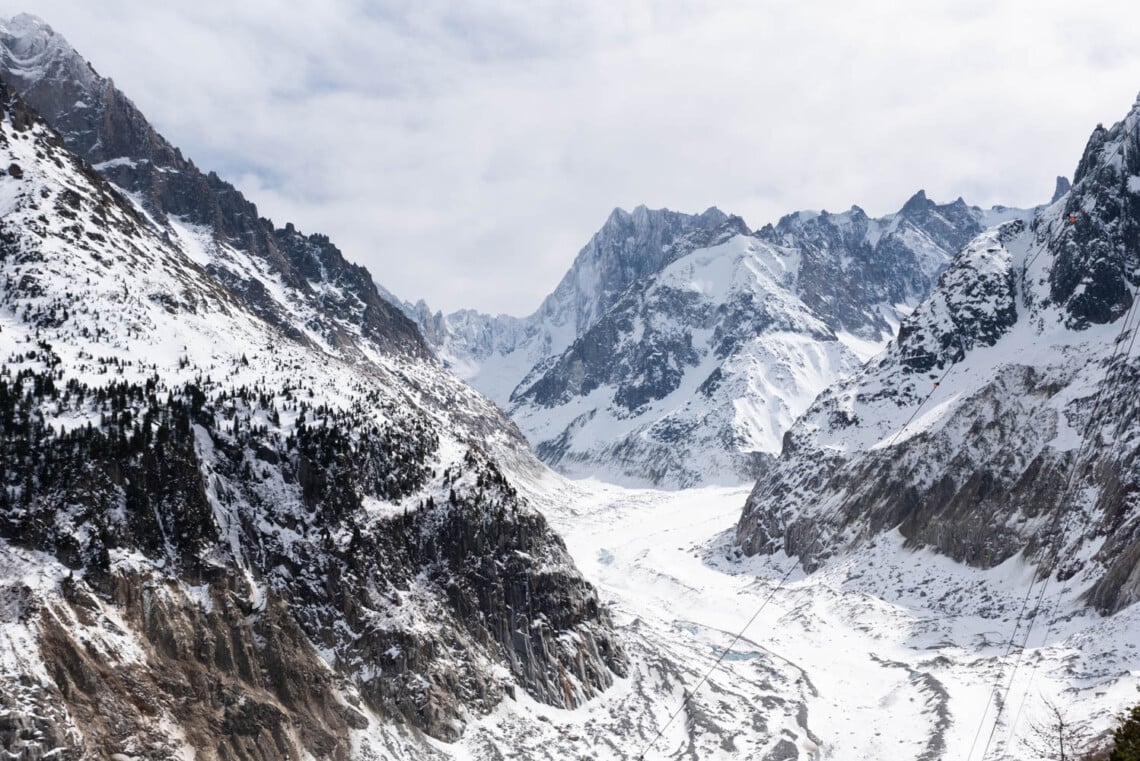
[(199, 209), (1002, 420)]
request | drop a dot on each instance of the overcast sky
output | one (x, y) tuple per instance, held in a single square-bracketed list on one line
[(464, 152)]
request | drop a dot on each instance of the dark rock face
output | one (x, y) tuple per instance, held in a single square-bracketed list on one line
[(934, 493), (1061, 189), (1097, 242), (650, 371), (1116, 507), (104, 127), (245, 682), (1000, 421), (973, 305)]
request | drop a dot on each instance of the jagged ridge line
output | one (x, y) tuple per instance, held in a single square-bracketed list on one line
[(1118, 150)]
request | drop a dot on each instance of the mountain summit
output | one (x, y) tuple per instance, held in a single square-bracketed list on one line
[(495, 353)]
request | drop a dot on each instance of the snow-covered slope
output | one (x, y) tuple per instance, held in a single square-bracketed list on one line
[(1003, 419), (696, 371), (201, 210), (232, 519)]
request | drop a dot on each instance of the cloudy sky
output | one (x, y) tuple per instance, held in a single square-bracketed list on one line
[(465, 151)]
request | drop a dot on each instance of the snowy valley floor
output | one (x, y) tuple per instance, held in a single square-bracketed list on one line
[(887, 654)]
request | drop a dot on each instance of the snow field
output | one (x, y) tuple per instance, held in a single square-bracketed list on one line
[(885, 654)]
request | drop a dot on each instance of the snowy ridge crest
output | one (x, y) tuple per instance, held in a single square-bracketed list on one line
[(102, 125)]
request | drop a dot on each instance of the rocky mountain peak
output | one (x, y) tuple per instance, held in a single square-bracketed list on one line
[(56, 80), (628, 247), (1096, 141), (916, 204), (37, 50), (1062, 187), (713, 215), (1095, 240), (788, 224), (618, 217), (500, 354)]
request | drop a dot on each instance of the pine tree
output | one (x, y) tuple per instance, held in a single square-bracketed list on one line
[(1126, 738)]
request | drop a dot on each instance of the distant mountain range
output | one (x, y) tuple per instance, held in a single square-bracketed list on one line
[(679, 348)]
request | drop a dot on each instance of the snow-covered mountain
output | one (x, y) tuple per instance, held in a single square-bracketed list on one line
[(1003, 418), (679, 349), (241, 506), (497, 353), (696, 369), (244, 514), (694, 375)]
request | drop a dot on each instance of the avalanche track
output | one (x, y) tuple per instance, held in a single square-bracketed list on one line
[(887, 654)]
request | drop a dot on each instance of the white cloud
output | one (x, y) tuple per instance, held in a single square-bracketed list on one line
[(464, 152)]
